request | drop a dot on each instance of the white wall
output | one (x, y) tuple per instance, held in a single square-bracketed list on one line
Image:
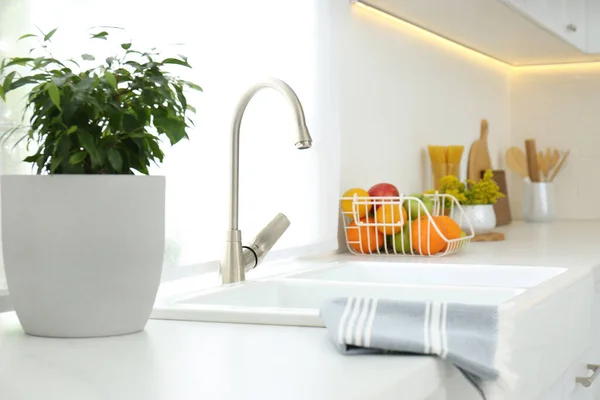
[(402, 90), (560, 107), (231, 44)]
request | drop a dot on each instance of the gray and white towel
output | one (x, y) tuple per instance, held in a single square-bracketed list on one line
[(472, 337)]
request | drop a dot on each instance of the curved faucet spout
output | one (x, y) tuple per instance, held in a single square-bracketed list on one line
[(236, 260), (303, 141)]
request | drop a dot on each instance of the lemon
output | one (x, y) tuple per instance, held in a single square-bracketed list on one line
[(346, 203)]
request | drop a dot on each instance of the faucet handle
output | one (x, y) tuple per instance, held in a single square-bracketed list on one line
[(264, 241)]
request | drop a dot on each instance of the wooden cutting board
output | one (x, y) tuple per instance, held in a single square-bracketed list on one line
[(488, 237), (479, 155), (501, 208)]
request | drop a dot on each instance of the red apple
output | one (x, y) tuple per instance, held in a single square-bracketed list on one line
[(383, 190)]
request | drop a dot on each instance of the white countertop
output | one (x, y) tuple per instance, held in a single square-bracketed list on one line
[(190, 360)]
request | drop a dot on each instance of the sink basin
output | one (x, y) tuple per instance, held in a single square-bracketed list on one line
[(432, 274), (297, 302)]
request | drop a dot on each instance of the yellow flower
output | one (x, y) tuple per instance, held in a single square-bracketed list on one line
[(486, 191)]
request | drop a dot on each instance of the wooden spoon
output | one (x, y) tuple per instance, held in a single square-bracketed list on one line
[(516, 161)]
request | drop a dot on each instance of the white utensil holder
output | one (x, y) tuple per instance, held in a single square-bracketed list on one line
[(539, 202)]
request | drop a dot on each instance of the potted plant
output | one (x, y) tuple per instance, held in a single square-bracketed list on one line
[(477, 200), (83, 239)]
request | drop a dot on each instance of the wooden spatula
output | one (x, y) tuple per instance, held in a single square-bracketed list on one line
[(555, 158), (516, 162), (545, 163), (479, 155), (559, 166)]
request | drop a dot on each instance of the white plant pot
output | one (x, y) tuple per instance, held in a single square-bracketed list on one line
[(482, 218), (83, 253)]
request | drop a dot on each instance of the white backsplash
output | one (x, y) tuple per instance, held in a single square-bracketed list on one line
[(560, 107), (401, 90)]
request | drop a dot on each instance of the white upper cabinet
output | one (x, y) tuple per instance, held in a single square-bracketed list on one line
[(518, 32), (564, 18)]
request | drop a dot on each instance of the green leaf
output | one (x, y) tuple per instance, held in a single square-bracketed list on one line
[(192, 85), (130, 123), (2, 94), (49, 35), (102, 35), (54, 94), (31, 159), (28, 80), (115, 159), (110, 78), (155, 148), (181, 97), (87, 142), (71, 130), (173, 128), (176, 62), (141, 168), (8, 80), (110, 60), (18, 61), (54, 163), (126, 46), (88, 57), (78, 157), (26, 36), (135, 65), (191, 108), (41, 62)]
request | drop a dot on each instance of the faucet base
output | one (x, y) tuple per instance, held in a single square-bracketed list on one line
[(232, 268)]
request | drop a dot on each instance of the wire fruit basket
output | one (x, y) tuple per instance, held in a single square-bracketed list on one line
[(405, 225)]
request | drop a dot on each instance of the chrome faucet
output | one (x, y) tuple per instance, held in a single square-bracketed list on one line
[(240, 259)]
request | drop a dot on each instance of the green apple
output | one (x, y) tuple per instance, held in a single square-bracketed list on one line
[(402, 240), (412, 206)]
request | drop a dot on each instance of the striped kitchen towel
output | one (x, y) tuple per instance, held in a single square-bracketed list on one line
[(472, 337)]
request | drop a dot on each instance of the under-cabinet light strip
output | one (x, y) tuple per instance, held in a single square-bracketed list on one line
[(462, 49), (428, 35)]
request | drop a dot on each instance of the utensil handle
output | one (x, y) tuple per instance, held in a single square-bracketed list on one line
[(532, 164), (484, 130), (558, 168)]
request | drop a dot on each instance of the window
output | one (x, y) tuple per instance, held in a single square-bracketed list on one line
[(231, 44)]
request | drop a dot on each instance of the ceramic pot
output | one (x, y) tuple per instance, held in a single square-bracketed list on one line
[(83, 253), (482, 218)]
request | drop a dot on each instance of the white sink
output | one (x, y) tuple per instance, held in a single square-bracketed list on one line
[(432, 274), (297, 302)]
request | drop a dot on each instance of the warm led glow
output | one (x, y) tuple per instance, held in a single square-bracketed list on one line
[(468, 52), (591, 66), (432, 37)]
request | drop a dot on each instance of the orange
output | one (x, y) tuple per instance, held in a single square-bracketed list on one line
[(346, 204), (426, 239), (449, 228), (390, 214), (362, 238)]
